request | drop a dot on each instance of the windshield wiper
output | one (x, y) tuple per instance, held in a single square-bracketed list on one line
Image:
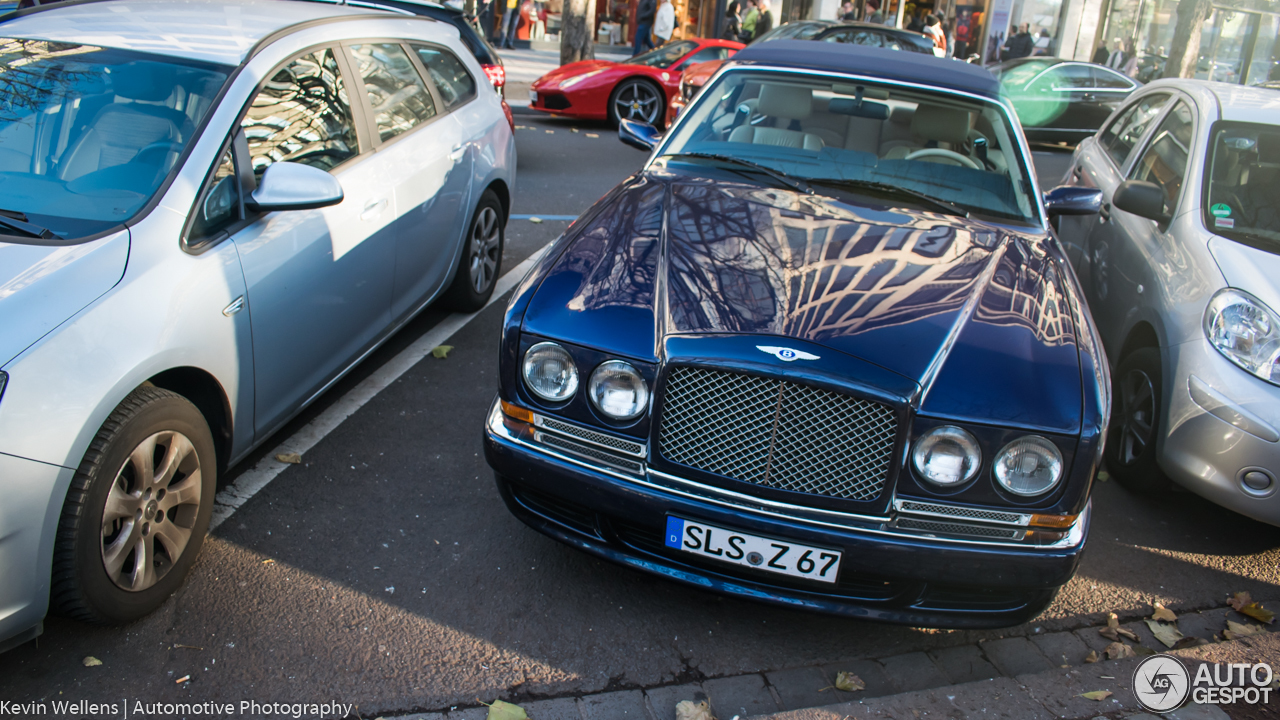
[(765, 169), (14, 220), (943, 205)]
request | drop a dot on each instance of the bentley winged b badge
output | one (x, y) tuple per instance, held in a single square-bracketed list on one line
[(786, 354)]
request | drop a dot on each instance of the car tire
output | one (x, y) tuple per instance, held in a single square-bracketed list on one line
[(635, 87), (1134, 432), (481, 260), (143, 495)]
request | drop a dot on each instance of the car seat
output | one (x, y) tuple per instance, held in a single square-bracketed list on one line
[(931, 126), (781, 103)]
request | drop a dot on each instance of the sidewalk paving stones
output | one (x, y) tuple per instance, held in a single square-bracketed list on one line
[(475, 713), (555, 709), (801, 687), (663, 700), (913, 671), (1202, 624), (870, 672), (741, 695), (963, 664), (620, 705), (1016, 656), (1062, 648)]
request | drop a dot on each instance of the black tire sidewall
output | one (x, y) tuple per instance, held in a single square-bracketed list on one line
[(160, 411), (1144, 474), (658, 120), (461, 295)]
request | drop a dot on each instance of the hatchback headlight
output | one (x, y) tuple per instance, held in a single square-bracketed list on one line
[(618, 390), (947, 456), (549, 372), (1246, 331), (1028, 466)]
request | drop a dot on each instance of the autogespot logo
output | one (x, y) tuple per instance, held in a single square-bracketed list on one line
[(1161, 683)]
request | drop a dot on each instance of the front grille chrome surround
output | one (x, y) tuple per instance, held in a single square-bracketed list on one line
[(777, 434), (592, 437), (590, 452)]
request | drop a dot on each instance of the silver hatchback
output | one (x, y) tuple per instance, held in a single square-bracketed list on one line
[(1182, 272), (209, 212)]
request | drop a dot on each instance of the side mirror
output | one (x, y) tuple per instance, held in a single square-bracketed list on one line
[(1069, 200), (1142, 198), (294, 186), (641, 136)]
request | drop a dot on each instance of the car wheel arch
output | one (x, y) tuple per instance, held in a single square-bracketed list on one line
[(204, 391)]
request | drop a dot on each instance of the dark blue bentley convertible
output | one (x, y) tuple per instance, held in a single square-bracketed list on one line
[(823, 351)]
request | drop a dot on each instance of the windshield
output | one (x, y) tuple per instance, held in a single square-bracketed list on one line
[(1244, 171), (87, 134), (665, 56), (844, 133)]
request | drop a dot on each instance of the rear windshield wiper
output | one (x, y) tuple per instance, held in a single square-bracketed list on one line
[(765, 169), (886, 188), (14, 220)]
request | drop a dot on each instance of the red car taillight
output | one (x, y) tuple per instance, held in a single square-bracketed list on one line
[(496, 74), (511, 119)]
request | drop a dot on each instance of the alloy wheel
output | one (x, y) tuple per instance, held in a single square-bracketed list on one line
[(485, 246), (150, 511), (637, 101), (1137, 410)]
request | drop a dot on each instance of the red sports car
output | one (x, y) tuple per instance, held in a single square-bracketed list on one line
[(638, 89)]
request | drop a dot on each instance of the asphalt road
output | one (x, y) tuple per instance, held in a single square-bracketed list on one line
[(385, 571)]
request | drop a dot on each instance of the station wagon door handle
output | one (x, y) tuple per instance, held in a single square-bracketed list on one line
[(373, 209), (456, 154)]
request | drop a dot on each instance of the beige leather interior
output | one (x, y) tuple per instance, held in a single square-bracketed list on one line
[(784, 103), (948, 127)]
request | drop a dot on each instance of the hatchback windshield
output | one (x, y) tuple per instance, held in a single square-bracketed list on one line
[(1244, 171), (665, 56), (87, 134), (851, 135)]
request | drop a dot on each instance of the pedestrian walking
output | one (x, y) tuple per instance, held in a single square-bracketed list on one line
[(749, 21), (645, 10), (509, 20), (933, 28), (848, 11), (765, 22), (1117, 59), (664, 23), (733, 21), (1019, 45)]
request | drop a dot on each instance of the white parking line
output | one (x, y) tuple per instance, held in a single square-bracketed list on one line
[(265, 470)]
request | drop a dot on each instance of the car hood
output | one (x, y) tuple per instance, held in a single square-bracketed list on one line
[(41, 285), (574, 69), (1255, 271), (698, 75), (979, 317)]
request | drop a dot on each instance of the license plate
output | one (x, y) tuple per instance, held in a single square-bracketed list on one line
[(731, 546), (533, 97)]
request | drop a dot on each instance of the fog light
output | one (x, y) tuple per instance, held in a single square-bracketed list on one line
[(1257, 481)]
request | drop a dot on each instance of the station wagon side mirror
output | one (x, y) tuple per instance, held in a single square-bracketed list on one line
[(1070, 200), (1142, 198), (641, 136), (294, 186)]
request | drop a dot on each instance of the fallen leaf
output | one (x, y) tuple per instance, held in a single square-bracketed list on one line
[(441, 352), (1143, 651), (187, 647), (849, 682), (500, 710), (1239, 600), (268, 561), (535, 220), (1092, 657), (574, 129), (291, 458), (691, 710), (592, 135), (1163, 613), (1255, 611), (1238, 630), (1118, 650), (182, 679), (1103, 476), (1165, 632), (1096, 695), (551, 132), (1110, 632), (91, 661)]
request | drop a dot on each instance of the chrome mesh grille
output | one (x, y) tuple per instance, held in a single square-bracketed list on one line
[(777, 434), (908, 506), (591, 453), (946, 528), (631, 448)]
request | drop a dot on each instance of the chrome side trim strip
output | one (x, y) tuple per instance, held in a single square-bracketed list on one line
[(874, 526)]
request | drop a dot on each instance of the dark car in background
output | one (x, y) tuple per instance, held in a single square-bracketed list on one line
[(823, 351), (1062, 100)]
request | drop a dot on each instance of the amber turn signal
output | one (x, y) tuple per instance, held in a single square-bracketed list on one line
[(518, 413), (1053, 521)]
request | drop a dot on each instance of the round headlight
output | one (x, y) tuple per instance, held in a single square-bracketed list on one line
[(947, 456), (1028, 466), (549, 372), (618, 390)]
